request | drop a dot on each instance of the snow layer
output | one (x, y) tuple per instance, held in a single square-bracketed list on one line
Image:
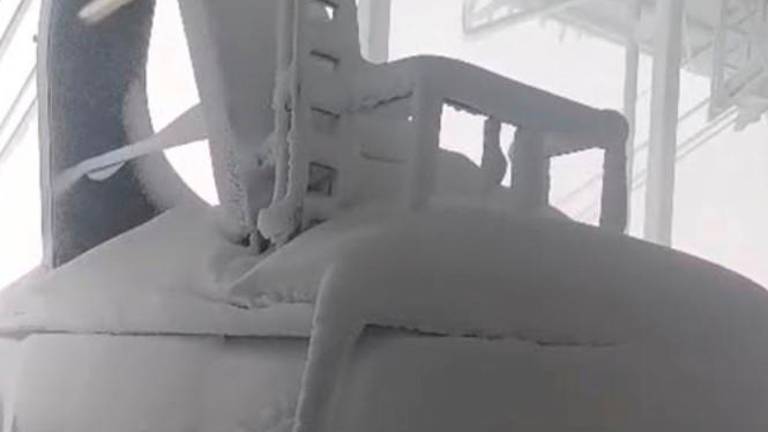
[(492, 320), (149, 340), (573, 327), (403, 381), (167, 276), (674, 324), (186, 272)]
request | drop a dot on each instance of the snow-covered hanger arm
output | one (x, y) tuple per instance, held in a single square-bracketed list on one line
[(186, 129)]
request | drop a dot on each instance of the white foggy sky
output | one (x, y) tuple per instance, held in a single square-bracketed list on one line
[(20, 245), (721, 206)]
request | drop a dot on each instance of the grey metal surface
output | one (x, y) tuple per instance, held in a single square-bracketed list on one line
[(86, 74), (232, 45)]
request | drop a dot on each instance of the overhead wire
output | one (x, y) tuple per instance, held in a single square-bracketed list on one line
[(686, 149)]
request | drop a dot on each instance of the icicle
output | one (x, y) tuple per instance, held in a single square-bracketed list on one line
[(280, 221)]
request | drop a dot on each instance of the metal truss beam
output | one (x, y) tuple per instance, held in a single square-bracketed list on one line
[(665, 99)]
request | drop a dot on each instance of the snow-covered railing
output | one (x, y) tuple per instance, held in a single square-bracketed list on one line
[(323, 85), (321, 73), (548, 126)]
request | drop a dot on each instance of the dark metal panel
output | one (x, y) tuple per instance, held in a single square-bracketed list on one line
[(85, 76)]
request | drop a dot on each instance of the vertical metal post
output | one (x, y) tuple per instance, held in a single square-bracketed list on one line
[(494, 163), (374, 29), (631, 72), (427, 115), (664, 113), (47, 199), (530, 169)]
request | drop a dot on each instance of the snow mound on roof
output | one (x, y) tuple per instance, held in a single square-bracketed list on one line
[(163, 277), (295, 272), (187, 272), (483, 275)]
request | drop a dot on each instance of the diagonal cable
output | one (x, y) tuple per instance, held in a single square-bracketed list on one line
[(13, 141), (13, 26), (17, 100)]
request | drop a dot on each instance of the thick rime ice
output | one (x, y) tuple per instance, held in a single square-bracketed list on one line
[(679, 330), (489, 318), (167, 277), (326, 96), (479, 311)]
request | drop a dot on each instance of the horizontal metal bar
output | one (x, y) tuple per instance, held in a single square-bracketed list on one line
[(711, 131)]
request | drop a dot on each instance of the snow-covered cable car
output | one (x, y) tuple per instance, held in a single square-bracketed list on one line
[(356, 276)]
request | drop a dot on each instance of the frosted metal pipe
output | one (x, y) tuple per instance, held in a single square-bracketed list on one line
[(518, 18), (375, 18), (530, 172)]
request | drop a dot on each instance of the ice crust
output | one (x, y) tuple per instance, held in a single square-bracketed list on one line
[(168, 276), (450, 310), (663, 318)]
